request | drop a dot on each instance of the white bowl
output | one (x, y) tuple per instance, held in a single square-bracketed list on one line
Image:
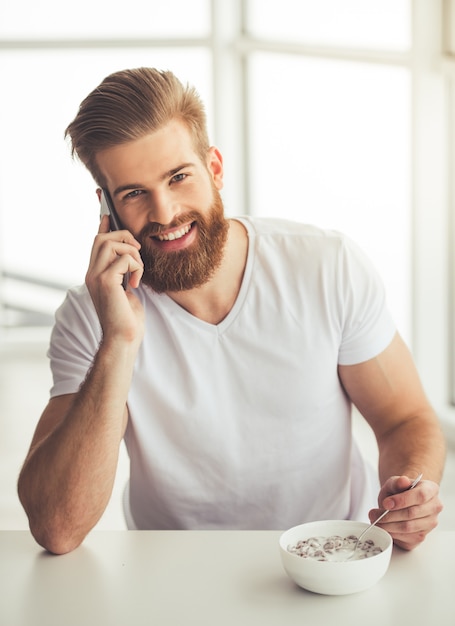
[(335, 577)]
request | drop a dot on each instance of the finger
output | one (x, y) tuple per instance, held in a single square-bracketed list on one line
[(397, 484), (403, 500), (414, 519), (408, 533), (104, 226), (425, 493), (400, 495), (409, 530), (133, 272), (106, 249), (124, 236), (392, 518), (389, 488), (135, 277), (114, 272), (118, 235), (123, 257)]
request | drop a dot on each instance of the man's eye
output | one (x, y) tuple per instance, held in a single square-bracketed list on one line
[(134, 193), (178, 178)]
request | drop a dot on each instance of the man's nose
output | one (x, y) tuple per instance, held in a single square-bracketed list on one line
[(163, 208)]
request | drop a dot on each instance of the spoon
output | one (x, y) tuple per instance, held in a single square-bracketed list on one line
[(411, 486)]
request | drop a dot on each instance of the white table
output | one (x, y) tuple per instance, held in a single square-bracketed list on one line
[(212, 578)]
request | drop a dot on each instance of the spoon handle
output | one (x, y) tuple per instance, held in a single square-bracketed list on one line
[(411, 486)]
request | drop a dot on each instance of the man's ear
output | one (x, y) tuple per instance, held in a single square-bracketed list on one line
[(215, 166)]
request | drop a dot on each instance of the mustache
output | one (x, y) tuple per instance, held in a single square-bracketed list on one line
[(155, 228)]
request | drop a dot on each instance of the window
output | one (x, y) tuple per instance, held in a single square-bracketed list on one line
[(48, 207), (49, 20), (345, 122), (382, 24), (335, 152), (449, 58)]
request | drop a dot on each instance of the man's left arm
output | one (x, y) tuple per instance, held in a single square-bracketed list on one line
[(388, 393)]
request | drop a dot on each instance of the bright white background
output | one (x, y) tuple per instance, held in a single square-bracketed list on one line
[(333, 112)]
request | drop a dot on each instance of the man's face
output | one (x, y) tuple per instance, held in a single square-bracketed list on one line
[(170, 202)]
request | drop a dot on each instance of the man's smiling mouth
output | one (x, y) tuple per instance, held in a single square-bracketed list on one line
[(174, 234)]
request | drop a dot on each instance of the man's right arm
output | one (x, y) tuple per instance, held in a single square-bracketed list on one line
[(68, 475)]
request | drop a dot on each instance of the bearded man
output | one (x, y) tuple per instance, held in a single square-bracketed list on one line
[(229, 364)]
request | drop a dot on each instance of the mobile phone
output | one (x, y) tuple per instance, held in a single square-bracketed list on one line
[(108, 208)]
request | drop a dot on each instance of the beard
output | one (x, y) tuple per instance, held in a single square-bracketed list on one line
[(194, 266)]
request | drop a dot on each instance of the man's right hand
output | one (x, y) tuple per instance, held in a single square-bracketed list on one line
[(79, 434), (113, 255)]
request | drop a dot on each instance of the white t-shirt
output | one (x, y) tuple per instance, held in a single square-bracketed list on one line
[(244, 424)]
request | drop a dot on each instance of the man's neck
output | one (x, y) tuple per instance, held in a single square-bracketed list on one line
[(213, 301)]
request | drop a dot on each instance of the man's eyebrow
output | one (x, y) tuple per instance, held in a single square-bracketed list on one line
[(175, 170), (168, 174), (128, 187)]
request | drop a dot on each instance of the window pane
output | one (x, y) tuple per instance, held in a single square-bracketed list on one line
[(48, 207), (364, 23), (448, 8), (330, 145), (451, 255), (87, 19)]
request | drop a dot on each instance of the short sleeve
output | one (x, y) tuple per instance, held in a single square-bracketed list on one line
[(74, 341), (367, 325)]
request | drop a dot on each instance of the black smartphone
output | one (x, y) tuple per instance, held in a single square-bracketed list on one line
[(107, 208)]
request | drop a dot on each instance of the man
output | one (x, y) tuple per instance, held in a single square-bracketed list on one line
[(230, 362)]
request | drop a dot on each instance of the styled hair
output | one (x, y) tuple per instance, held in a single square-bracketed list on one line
[(130, 104)]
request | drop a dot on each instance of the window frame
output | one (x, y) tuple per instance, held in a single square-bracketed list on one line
[(431, 62)]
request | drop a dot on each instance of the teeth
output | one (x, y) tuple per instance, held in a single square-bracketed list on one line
[(175, 235)]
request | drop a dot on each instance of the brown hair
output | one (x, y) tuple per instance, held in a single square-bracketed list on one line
[(130, 104)]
